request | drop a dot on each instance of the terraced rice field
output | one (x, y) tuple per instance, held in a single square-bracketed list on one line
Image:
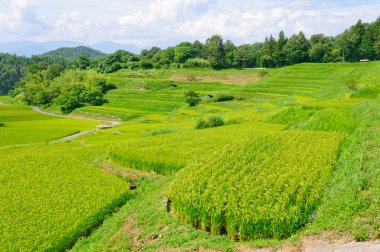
[(264, 178)]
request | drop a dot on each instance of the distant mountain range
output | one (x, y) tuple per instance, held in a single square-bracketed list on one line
[(29, 48)]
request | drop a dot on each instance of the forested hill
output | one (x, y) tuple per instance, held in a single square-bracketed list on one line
[(74, 52)]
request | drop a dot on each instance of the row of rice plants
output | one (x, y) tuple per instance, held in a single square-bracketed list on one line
[(169, 153), (266, 188)]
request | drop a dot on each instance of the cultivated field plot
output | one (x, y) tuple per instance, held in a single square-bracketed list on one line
[(21, 125), (266, 188), (169, 153), (50, 197)]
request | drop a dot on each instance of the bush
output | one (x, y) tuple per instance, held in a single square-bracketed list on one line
[(196, 62), (202, 124), (214, 121), (224, 97), (68, 102)]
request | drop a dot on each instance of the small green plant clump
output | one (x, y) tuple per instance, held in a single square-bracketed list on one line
[(212, 122), (192, 98), (224, 97), (352, 84)]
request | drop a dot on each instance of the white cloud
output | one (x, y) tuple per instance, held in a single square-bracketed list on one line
[(167, 22)]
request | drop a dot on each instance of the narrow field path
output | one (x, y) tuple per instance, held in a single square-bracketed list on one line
[(73, 136), (39, 110)]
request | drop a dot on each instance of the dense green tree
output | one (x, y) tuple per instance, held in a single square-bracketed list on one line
[(350, 41), (246, 55), (183, 52), (198, 50), (297, 49), (163, 58), (268, 52), (279, 54), (215, 51), (229, 49), (82, 63)]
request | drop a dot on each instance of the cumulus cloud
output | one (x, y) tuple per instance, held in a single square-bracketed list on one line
[(167, 22), (22, 19)]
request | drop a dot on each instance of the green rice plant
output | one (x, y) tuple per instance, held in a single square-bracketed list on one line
[(22, 125), (169, 153), (50, 197), (266, 187)]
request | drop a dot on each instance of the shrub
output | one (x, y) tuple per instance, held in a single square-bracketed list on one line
[(224, 97), (202, 124), (196, 62), (68, 102), (215, 121)]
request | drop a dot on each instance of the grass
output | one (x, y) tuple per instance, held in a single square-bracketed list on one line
[(352, 201)]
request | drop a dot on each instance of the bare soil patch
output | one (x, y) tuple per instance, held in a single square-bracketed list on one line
[(123, 174)]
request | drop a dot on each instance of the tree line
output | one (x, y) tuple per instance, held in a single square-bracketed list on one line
[(360, 41)]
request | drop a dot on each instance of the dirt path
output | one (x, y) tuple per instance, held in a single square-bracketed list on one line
[(39, 110), (73, 136), (323, 244)]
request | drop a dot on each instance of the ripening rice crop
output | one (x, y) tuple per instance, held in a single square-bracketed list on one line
[(265, 188), (171, 152), (50, 197)]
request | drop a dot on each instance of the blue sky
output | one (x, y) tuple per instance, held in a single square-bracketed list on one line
[(166, 22)]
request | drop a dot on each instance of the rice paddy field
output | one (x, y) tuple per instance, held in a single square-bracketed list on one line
[(298, 154)]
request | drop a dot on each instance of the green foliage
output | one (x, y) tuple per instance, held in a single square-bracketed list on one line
[(224, 97), (212, 122), (202, 124), (81, 63), (192, 98), (71, 89), (215, 121), (12, 69), (196, 62), (215, 51), (297, 49)]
